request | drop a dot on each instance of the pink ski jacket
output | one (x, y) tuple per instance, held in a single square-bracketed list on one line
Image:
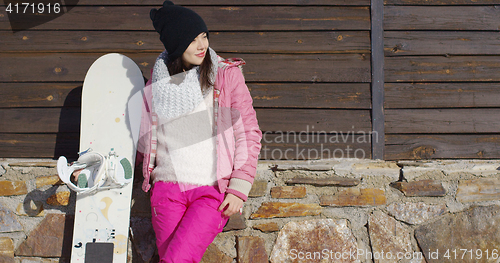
[(238, 134)]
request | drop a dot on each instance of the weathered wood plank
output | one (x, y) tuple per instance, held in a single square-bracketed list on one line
[(377, 59), (234, 42), (269, 95), (225, 2), (442, 18), (439, 43), (441, 95), (155, 3), (40, 120), (217, 18), (47, 67), (79, 41), (431, 68), (443, 121), (292, 42), (441, 2), (310, 121), (39, 145), (316, 95), (15, 95), (55, 145), (425, 146), (315, 146), (67, 67), (308, 68), (51, 120)]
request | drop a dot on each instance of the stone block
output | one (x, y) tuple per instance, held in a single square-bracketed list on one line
[(41, 260), (415, 213), (213, 254), (251, 249), (279, 209), (6, 250), (420, 188), (288, 192), (477, 190), (486, 169), (47, 239), (416, 257), (48, 164), (59, 199), (259, 188), (466, 233), (413, 173), (437, 168), (355, 197), (388, 236), (356, 215), (475, 167), (235, 222), (8, 188), (8, 221), (267, 227), (143, 237), (303, 167), (376, 165), (47, 180), (415, 163), (311, 238), (330, 181), (387, 169), (30, 208)]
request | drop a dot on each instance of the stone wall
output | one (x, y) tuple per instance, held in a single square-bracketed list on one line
[(342, 210)]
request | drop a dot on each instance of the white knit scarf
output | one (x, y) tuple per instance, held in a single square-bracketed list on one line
[(176, 95)]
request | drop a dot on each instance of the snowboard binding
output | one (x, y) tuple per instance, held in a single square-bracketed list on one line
[(95, 172)]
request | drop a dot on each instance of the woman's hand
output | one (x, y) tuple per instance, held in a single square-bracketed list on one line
[(232, 204)]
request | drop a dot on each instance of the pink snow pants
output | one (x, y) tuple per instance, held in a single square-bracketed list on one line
[(185, 222)]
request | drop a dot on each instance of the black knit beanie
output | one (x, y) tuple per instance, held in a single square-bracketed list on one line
[(178, 27)]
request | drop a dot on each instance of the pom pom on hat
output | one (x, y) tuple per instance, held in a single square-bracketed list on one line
[(178, 27)]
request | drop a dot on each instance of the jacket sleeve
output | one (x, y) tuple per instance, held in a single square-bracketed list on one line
[(247, 135), (144, 143)]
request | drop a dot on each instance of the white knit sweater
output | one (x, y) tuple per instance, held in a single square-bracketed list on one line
[(186, 147)]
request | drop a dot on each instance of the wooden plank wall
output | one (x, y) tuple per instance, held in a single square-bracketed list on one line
[(442, 73), (308, 69)]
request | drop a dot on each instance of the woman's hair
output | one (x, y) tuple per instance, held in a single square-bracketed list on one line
[(177, 66)]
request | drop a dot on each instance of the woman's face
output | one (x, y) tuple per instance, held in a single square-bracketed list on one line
[(195, 53)]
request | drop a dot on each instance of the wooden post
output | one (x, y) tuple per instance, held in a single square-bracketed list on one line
[(377, 51)]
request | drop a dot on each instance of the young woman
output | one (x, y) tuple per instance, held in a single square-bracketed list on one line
[(199, 137)]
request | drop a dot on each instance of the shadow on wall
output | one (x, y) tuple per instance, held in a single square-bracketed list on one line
[(68, 134)]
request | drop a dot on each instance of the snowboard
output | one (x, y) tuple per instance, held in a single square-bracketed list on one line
[(110, 122)]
